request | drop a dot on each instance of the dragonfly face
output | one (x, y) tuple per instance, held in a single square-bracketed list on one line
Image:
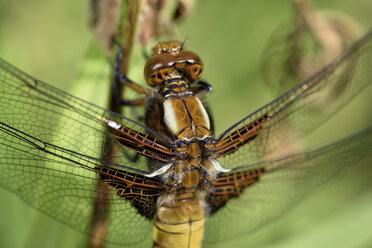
[(171, 56), (59, 144)]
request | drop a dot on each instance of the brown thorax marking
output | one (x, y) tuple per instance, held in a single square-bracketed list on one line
[(171, 71), (184, 113), (186, 119), (189, 175)]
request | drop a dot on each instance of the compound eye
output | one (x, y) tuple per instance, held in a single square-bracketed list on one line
[(193, 65), (159, 76), (157, 67), (193, 72), (196, 70)]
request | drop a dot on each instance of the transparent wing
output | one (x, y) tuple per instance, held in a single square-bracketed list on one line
[(298, 112), (53, 149), (299, 48), (280, 59), (272, 186)]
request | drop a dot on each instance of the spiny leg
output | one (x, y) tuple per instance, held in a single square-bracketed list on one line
[(124, 79), (121, 78)]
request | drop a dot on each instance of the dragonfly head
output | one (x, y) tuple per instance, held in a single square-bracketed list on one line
[(171, 56)]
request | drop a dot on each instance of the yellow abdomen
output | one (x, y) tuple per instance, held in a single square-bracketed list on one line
[(179, 223)]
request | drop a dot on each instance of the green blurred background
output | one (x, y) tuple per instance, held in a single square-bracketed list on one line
[(47, 39)]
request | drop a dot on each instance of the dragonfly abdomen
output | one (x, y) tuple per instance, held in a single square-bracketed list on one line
[(179, 222)]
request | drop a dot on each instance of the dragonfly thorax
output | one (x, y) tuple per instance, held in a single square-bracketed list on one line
[(174, 86), (186, 118), (189, 175)]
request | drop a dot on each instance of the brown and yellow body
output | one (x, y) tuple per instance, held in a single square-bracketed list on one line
[(180, 115), (179, 222), (181, 151)]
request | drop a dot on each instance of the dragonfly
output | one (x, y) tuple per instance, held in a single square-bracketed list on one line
[(172, 176)]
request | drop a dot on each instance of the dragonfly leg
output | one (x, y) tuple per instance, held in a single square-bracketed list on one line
[(200, 88), (134, 102), (122, 78)]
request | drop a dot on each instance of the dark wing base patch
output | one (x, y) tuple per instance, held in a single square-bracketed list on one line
[(230, 185), (140, 191)]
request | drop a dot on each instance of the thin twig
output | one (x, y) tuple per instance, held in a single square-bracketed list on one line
[(125, 35)]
